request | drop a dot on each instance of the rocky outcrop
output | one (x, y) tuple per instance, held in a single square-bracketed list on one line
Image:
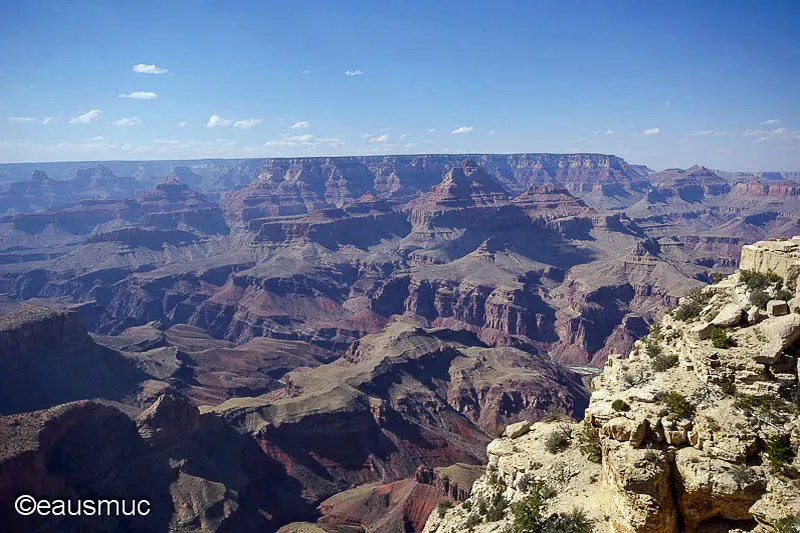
[(697, 429), (195, 472), (781, 256), (47, 358)]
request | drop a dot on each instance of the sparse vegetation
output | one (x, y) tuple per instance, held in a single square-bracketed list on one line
[(796, 310), (497, 508), (467, 505), (442, 508), (555, 414), (692, 305), (784, 295), (590, 444), (788, 524), (716, 277), (760, 299), (780, 454), (743, 476), (664, 362), (620, 405), (556, 442), (720, 339), (770, 408), (678, 405), (756, 281), (472, 521), (575, 522), (529, 514)]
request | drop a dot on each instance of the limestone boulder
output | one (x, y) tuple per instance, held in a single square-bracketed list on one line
[(730, 315), (712, 488)]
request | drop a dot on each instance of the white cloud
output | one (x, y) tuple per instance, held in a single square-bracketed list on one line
[(609, 132), (140, 95), (148, 69), (303, 124), (48, 120), (98, 138), (410, 145), (355, 72), (128, 121), (87, 117), (770, 121), (403, 136), (379, 139), (386, 129), (181, 124), (216, 121), (651, 131), (306, 71), (777, 132), (491, 132), (303, 140), (247, 123), (702, 133), (431, 130), (462, 129), (23, 119)]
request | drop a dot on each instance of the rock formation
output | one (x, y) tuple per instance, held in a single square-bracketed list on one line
[(697, 429)]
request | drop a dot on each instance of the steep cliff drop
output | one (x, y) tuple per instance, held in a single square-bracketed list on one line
[(696, 430)]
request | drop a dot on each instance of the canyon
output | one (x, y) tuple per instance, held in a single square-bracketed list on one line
[(334, 342)]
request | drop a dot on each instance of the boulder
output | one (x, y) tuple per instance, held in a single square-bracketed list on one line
[(517, 430), (729, 316), (777, 308), (702, 331)]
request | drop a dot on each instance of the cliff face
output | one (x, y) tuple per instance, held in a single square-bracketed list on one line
[(47, 358), (697, 429), (196, 473)]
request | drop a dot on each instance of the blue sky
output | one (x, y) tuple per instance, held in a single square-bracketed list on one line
[(659, 83)]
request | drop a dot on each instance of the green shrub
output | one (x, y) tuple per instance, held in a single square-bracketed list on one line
[(756, 281), (692, 304), (442, 508), (497, 508), (529, 514), (760, 299), (788, 524), (467, 505), (773, 408), (652, 348), (784, 295), (655, 333), (719, 338), (620, 405), (780, 451), (472, 521), (678, 404), (716, 277), (688, 311), (574, 522), (590, 444), (556, 442), (796, 310), (662, 363)]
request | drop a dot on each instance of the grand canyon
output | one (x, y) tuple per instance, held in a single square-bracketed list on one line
[(330, 344), (399, 267)]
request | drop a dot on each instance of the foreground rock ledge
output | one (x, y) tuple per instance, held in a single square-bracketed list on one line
[(697, 429)]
